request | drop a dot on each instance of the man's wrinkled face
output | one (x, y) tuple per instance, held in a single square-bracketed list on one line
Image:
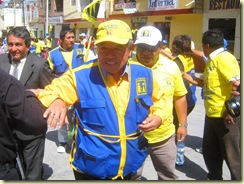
[(113, 57), (17, 47)]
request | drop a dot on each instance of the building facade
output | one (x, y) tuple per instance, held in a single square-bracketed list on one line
[(172, 17), (33, 15)]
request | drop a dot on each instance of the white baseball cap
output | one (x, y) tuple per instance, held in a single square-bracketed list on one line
[(82, 34), (149, 35)]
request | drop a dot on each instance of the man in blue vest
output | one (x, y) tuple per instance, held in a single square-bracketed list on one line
[(114, 99), (67, 55)]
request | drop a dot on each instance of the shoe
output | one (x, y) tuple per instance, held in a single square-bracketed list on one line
[(199, 150), (62, 147)]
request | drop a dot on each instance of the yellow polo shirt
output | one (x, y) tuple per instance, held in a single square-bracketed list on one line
[(169, 78), (221, 67)]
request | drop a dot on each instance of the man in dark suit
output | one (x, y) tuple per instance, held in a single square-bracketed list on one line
[(33, 72), (22, 112)]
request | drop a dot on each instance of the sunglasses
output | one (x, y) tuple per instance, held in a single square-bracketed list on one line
[(143, 47)]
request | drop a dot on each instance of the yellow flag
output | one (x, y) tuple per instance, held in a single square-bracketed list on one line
[(90, 12)]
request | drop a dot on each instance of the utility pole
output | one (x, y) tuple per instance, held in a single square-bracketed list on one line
[(46, 27), (23, 11), (14, 13)]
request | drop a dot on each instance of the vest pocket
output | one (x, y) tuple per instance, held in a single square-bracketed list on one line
[(92, 112), (142, 107), (60, 68), (93, 163)]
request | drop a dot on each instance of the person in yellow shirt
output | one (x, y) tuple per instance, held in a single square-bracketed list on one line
[(222, 136), (182, 56), (49, 42), (165, 50), (114, 101), (162, 140), (38, 43), (67, 55)]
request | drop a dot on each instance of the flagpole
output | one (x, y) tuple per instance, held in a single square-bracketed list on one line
[(89, 43), (105, 11), (90, 14)]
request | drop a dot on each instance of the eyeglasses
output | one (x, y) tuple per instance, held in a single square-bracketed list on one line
[(143, 47)]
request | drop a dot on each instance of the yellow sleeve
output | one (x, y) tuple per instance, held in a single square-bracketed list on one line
[(50, 61), (159, 101), (63, 87), (180, 89)]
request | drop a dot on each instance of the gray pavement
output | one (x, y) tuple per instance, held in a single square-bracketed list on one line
[(56, 165)]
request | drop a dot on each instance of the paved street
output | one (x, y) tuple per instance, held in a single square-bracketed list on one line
[(57, 166)]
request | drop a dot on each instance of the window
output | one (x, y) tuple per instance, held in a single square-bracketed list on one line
[(42, 3), (49, 5), (59, 5), (73, 2)]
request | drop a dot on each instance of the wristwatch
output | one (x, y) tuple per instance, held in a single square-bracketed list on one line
[(183, 125)]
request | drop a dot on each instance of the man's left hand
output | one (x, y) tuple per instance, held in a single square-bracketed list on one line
[(151, 123)]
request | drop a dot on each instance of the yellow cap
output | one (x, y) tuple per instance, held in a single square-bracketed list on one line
[(115, 31)]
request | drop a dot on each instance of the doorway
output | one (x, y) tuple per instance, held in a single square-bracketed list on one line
[(164, 27), (227, 27)]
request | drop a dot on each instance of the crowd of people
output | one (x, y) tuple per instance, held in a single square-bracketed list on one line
[(127, 99)]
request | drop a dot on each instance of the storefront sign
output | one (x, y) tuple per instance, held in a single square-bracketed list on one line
[(130, 10), (29, 2), (55, 20), (121, 6), (51, 20), (35, 13), (139, 19), (224, 4), (162, 5)]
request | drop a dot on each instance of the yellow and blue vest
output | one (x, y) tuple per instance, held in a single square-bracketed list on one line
[(189, 68), (108, 146), (59, 63)]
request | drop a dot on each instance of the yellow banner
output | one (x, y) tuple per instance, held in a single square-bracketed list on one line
[(90, 12)]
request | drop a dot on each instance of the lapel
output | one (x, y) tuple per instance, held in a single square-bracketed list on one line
[(27, 70), (6, 63)]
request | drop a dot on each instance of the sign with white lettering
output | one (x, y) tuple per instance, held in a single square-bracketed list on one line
[(121, 6), (154, 5), (139, 19), (28, 2), (130, 10)]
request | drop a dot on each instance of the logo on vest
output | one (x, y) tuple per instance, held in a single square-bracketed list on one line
[(141, 86), (79, 53)]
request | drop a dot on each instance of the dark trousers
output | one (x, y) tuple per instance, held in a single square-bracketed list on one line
[(222, 142), (31, 154), (82, 176), (9, 172)]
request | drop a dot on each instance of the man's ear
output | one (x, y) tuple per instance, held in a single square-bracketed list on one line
[(131, 49), (132, 46)]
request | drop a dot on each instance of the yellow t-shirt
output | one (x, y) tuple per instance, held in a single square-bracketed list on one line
[(217, 86), (169, 78), (38, 45), (49, 43)]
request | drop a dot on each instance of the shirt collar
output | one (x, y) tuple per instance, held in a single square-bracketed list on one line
[(21, 61), (216, 52), (63, 50), (126, 71)]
